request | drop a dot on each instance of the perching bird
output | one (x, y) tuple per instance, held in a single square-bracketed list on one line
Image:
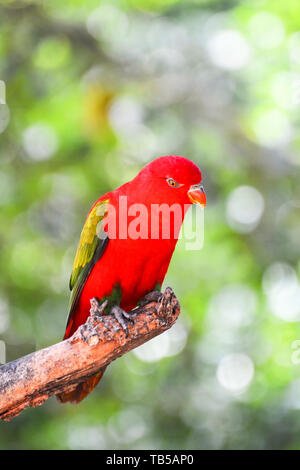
[(126, 245)]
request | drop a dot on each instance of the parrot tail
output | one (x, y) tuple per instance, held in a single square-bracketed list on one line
[(82, 389)]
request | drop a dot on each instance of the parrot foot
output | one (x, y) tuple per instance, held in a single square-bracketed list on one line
[(154, 296), (97, 309), (122, 317)]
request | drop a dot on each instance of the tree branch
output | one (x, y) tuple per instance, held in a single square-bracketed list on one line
[(32, 379)]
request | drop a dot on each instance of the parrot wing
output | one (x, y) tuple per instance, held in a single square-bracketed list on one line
[(92, 243)]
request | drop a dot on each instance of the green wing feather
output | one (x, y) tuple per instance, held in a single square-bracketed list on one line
[(92, 243), (89, 240)]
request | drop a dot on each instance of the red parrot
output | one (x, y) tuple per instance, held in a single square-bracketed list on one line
[(122, 257)]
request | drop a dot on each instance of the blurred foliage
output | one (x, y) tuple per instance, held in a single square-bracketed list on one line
[(94, 90)]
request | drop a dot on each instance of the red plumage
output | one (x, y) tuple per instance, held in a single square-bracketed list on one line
[(136, 266)]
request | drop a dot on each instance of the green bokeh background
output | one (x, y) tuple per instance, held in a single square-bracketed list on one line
[(96, 89)]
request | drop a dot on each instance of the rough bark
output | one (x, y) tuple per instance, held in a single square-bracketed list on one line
[(32, 379)]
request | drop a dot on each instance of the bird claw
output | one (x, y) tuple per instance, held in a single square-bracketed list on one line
[(122, 317), (97, 309), (153, 296)]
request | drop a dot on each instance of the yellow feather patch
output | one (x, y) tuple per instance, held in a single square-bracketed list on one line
[(88, 239)]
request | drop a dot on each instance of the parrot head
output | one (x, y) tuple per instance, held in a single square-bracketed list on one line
[(173, 179)]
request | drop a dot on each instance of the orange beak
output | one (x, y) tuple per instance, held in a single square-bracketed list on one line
[(197, 195)]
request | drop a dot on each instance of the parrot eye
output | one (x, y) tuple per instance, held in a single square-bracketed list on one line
[(172, 183)]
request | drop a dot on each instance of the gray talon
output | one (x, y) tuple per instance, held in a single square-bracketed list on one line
[(154, 296), (122, 317), (97, 309)]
